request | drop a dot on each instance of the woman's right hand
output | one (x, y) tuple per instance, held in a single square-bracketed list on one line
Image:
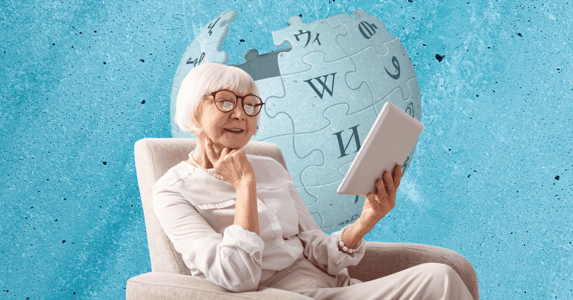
[(231, 164)]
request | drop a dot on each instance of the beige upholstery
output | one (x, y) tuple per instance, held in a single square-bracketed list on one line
[(170, 278)]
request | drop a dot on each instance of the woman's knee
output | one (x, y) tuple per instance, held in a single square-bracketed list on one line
[(446, 280), (440, 269), (442, 273)]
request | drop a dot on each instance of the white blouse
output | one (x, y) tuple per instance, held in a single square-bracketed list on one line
[(197, 213)]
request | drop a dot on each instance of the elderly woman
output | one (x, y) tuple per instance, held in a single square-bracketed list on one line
[(238, 221)]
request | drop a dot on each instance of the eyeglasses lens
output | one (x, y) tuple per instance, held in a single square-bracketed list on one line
[(252, 105), (226, 101)]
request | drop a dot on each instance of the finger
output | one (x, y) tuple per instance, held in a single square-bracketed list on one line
[(234, 158), (389, 183), (238, 154), (225, 152), (381, 189), (397, 175), (392, 203), (211, 154)]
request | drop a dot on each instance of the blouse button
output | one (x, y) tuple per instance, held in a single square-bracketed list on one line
[(274, 219), (282, 242), (224, 256)]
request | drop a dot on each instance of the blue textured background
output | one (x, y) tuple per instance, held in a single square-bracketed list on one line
[(82, 81)]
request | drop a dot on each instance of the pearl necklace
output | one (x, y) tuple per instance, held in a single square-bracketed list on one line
[(196, 164)]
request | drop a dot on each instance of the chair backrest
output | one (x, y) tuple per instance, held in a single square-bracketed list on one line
[(154, 157)]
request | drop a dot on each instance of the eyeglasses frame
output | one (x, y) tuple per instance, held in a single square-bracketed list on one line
[(235, 104)]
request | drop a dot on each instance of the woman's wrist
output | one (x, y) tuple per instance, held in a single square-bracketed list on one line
[(247, 183), (352, 235), (365, 224)]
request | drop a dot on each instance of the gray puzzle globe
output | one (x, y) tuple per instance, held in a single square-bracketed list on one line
[(322, 95)]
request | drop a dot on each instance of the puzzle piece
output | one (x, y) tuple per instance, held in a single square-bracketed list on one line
[(339, 141), (363, 31), (290, 156), (318, 219), (311, 92), (217, 28), (305, 38), (341, 209), (395, 70), (278, 124), (414, 107), (206, 48), (411, 106), (344, 168), (395, 96)]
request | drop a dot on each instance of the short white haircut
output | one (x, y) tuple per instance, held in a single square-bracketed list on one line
[(205, 78)]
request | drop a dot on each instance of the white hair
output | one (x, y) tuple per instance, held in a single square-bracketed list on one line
[(205, 78)]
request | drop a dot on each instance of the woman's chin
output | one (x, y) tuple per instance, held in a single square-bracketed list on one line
[(234, 144)]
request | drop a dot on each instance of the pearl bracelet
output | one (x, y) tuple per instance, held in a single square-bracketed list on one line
[(345, 249)]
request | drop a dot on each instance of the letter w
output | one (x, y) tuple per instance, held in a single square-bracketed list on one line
[(340, 143), (324, 87)]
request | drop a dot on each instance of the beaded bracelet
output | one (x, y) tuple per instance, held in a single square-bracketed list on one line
[(345, 249)]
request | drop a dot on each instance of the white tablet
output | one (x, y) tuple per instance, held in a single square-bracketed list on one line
[(388, 143)]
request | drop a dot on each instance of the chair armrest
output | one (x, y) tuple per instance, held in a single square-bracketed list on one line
[(381, 259), (169, 286)]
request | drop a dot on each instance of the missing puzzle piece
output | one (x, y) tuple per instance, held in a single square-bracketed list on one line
[(261, 66)]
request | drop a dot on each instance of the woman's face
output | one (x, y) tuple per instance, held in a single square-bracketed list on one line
[(226, 129)]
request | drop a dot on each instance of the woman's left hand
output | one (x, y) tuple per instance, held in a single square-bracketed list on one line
[(379, 204)]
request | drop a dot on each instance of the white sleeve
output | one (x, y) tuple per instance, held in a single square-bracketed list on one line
[(232, 260), (320, 248)]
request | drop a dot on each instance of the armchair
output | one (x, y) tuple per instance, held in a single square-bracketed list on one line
[(171, 279)]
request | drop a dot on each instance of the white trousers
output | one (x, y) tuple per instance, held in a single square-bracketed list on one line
[(425, 281)]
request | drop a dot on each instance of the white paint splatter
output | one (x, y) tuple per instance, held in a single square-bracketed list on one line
[(408, 188)]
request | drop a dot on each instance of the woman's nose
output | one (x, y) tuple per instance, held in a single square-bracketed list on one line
[(238, 113)]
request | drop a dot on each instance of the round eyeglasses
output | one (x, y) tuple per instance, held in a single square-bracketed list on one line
[(226, 100)]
